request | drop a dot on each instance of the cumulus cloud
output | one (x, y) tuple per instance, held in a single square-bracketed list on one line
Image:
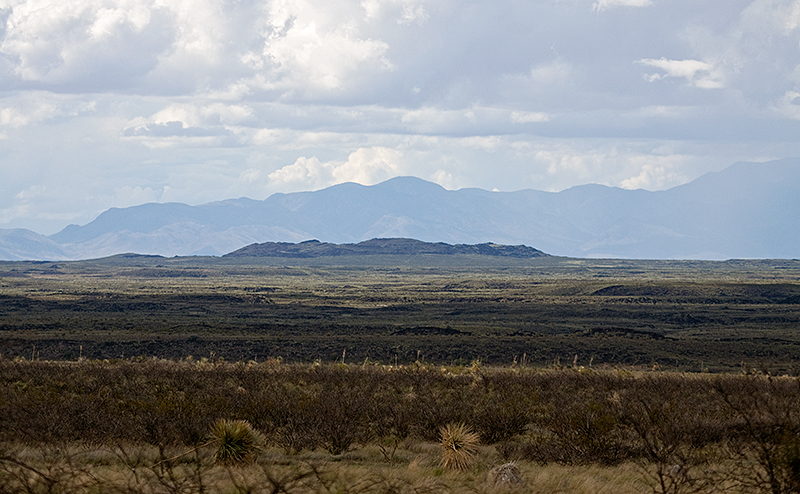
[(13, 117), (789, 105), (101, 44), (366, 166), (601, 5), (39, 107), (171, 129), (199, 114), (7, 215), (546, 74), (699, 74), (369, 166), (410, 11), (443, 178), (176, 45), (305, 172), (475, 120), (131, 195), (32, 192), (577, 164), (656, 172), (758, 51), (633, 167), (529, 117), (307, 48), (191, 121), (432, 119), (413, 14)]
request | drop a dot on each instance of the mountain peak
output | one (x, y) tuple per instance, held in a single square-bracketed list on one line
[(410, 185)]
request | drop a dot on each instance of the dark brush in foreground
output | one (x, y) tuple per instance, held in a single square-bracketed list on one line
[(681, 433)]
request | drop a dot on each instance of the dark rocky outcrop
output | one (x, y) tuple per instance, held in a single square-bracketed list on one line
[(381, 247)]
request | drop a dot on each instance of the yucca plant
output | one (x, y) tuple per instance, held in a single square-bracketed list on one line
[(459, 445), (236, 440)]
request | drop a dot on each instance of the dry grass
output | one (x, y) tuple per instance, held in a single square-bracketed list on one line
[(135, 468), (507, 474), (593, 479)]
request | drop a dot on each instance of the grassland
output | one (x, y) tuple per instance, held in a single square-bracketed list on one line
[(144, 426), (586, 375), (678, 315)]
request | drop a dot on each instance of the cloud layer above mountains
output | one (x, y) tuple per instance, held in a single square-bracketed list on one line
[(113, 103)]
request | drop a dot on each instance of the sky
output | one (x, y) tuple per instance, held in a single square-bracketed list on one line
[(114, 103)]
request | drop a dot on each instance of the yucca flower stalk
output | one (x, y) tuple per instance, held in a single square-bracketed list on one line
[(459, 445)]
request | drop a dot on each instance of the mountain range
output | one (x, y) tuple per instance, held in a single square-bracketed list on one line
[(748, 210)]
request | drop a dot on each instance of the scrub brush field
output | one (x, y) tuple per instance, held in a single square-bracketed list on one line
[(399, 375)]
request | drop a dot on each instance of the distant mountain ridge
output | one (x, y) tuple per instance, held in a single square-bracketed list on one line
[(748, 210), (383, 247)]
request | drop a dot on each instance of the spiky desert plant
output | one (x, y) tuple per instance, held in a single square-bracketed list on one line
[(459, 445), (236, 440)]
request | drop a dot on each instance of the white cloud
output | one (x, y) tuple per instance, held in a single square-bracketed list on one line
[(656, 172), (789, 105), (104, 44), (529, 117), (432, 120), (475, 120), (131, 195), (37, 107), (366, 166), (485, 143), (413, 14), (443, 178), (601, 5), (305, 172), (780, 15), (662, 111), (635, 167), (579, 165), (369, 166), (558, 71), (214, 124), (13, 117), (32, 192), (7, 215), (311, 48), (411, 11), (755, 52), (699, 74), (198, 114)]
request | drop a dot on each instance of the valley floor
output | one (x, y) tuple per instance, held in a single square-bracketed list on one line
[(676, 315)]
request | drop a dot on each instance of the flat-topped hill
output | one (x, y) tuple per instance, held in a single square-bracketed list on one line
[(383, 247)]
